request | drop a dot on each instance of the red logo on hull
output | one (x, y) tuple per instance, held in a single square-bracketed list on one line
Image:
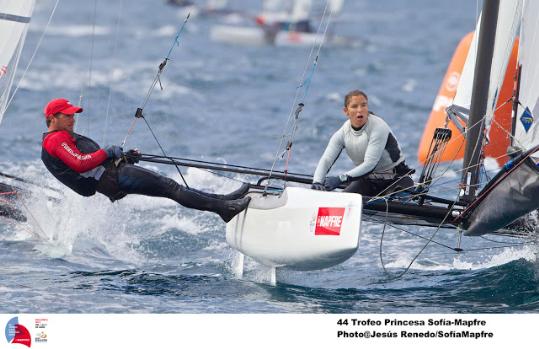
[(329, 221)]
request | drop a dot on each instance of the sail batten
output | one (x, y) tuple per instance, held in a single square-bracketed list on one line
[(13, 18)]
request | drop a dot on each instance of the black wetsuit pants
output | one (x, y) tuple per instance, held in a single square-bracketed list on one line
[(132, 179), (379, 187)]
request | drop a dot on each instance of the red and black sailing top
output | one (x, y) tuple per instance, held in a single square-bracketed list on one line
[(71, 158)]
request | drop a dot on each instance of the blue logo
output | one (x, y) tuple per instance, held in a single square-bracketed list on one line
[(526, 119)]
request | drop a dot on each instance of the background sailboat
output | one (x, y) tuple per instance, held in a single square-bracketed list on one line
[(201, 8), (15, 16), (282, 23)]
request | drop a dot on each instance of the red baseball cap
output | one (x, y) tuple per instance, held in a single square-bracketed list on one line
[(60, 105)]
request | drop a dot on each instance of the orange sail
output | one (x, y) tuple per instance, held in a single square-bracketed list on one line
[(500, 129)]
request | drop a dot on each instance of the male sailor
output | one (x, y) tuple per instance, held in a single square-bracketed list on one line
[(370, 143), (79, 163)]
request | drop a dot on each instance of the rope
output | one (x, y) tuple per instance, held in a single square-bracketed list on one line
[(434, 179), (431, 239), (163, 151)]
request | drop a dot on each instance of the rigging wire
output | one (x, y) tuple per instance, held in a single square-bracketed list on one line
[(506, 243), (113, 54), (480, 122), (139, 113), (156, 79), (299, 98), (88, 86), (431, 239), (435, 180)]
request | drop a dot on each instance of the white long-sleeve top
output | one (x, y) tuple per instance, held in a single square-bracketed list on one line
[(373, 148)]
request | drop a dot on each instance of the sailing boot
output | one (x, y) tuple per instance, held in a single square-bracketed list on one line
[(236, 194), (229, 209)]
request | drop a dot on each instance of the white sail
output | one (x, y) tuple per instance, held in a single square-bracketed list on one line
[(286, 10), (301, 10), (527, 131), (335, 6), (216, 4), (507, 26), (14, 18)]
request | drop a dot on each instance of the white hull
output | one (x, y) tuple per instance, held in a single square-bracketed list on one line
[(301, 229), (256, 36)]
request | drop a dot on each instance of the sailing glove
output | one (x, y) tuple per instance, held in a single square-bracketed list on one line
[(318, 186), (332, 182), (114, 151), (133, 156)]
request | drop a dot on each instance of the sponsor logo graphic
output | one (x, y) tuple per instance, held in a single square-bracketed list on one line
[(527, 119), (41, 336), (71, 152), (329, 220), (17, 333)]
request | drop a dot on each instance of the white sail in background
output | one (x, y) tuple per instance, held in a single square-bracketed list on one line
[(14, 18), (216, 4), (286, 10), (508, 23), (527, 131), (335, 6), (301, 10)]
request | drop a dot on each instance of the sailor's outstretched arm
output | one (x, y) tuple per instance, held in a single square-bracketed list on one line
[(61, 146)]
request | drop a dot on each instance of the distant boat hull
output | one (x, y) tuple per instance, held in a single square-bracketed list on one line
[(257, 36)]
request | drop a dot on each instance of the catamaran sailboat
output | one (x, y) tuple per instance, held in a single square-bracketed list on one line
[(500, 206), (281, 23)]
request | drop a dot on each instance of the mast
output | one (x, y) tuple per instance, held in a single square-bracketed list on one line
[(478, 107)]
